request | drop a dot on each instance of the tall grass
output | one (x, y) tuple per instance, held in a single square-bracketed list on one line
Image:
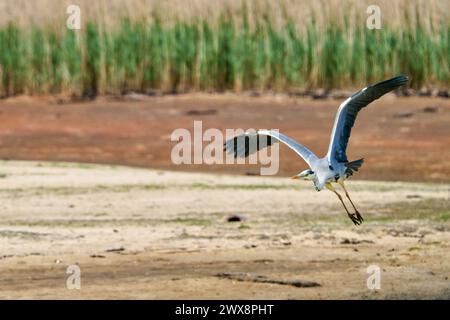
[(232, 52)]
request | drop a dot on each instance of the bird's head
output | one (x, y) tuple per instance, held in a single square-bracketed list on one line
[(308, 175)]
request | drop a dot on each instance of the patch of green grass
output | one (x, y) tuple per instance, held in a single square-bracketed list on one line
[(443, 216), (129, 187), (242, 186), (190, 221), (67, 191), (384, 218), (432, 243), (101, 222), (436, 210), (306, 221), (78, 165)]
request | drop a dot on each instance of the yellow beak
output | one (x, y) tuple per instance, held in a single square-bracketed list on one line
[(294, 177)]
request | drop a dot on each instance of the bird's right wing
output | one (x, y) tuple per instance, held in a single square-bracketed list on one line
[(251, 142), (348, 110)]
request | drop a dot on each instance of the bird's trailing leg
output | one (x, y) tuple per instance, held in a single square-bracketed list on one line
[(358, 215), (352, 216)]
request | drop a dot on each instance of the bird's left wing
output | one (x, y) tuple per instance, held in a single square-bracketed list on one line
[(253, 141), (348, 110)]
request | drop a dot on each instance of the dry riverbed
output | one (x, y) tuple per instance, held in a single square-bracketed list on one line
[(139, 233)]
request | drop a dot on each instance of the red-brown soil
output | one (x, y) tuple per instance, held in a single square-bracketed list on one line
[(400, 138)]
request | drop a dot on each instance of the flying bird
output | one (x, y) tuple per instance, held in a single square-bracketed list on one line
[(334, 167)]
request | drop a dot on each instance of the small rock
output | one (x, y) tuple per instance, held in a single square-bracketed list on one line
[(134, 96), (152, 93), (443, 94), (206, 112), (430, 109), (408, 92), (424, 92), (355, 241), (298, 93), (236, 218), (341, 94), (240, 276), (320, 94), (115, 249), (253, 93), (403, 115)]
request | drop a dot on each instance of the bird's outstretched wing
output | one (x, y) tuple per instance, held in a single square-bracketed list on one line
[(253, 141), (347, 112)]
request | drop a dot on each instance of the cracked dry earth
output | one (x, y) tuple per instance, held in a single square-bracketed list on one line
[(141, 234)]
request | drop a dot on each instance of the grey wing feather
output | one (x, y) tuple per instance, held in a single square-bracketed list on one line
[(348, 110), (251, 142)]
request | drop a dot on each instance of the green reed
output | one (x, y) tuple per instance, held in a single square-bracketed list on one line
[(230, 54)]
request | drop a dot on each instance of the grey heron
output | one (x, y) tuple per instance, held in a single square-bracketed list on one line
[(334, 167)]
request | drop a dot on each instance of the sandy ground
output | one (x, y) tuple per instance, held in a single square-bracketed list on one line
[(139, 233)]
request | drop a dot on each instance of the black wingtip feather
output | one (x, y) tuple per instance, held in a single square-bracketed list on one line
[(401, 79), (244, 145), (393, 82)]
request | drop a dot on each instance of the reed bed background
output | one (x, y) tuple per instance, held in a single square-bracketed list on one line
[(177, 46)]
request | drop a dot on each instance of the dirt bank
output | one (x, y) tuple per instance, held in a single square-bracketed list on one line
[(404, 139)]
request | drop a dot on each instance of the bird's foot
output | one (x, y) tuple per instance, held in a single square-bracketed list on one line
[(359, 216), (356, 218)]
